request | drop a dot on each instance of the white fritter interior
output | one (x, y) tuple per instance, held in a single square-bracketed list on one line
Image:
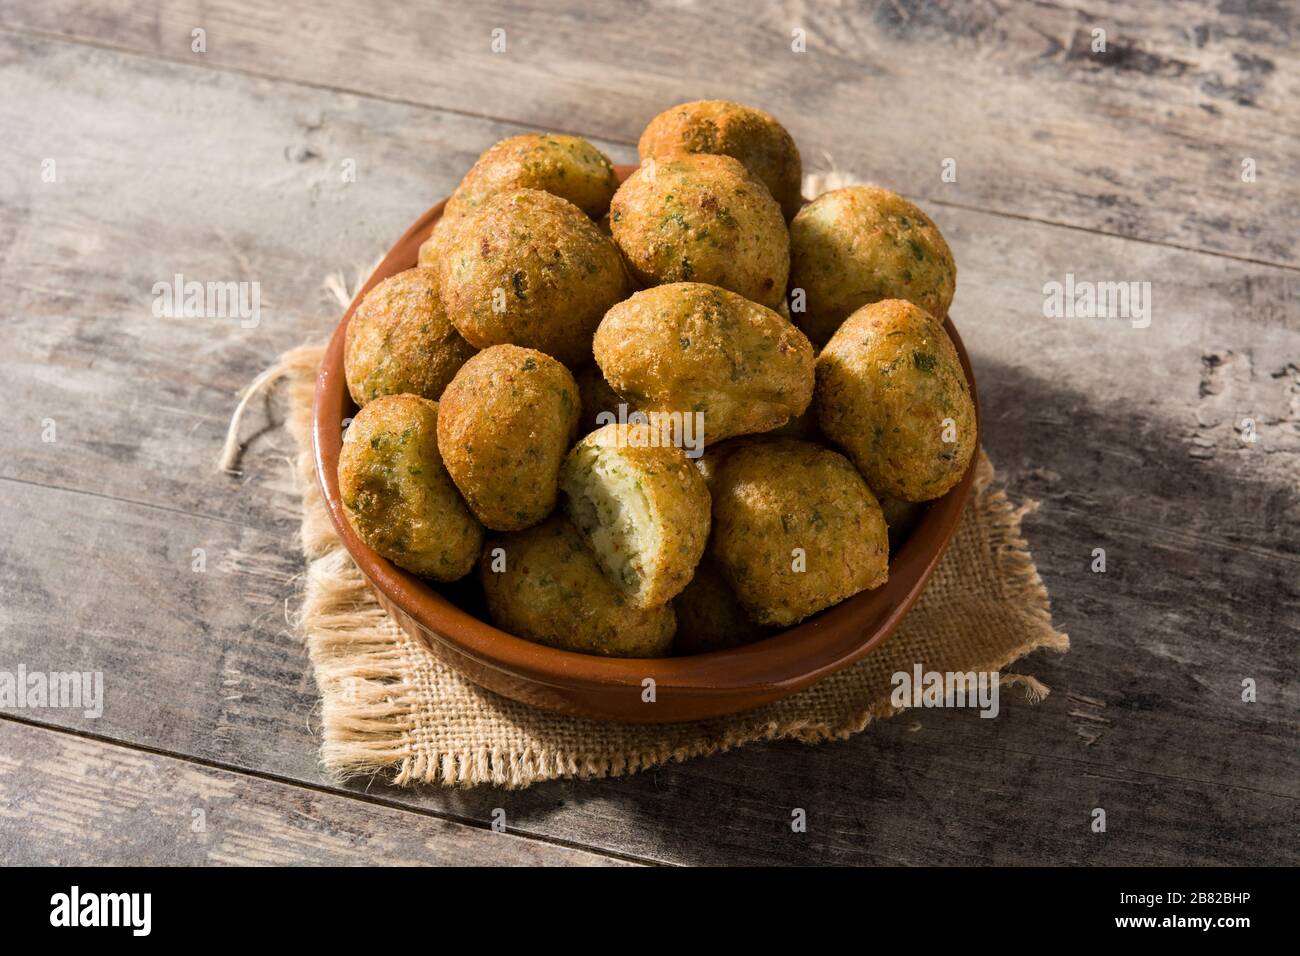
[(610, 508)]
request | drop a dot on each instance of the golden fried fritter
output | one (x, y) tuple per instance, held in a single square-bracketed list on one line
[(431, 249), (401, 342), (543, 584), (861, 244), (892, 393), (694, 348), (641, 506), (703, 218), (795, 529), (528, 268), (709, 618), (564, 166), (746, 134), (397, 495), (506, 421)]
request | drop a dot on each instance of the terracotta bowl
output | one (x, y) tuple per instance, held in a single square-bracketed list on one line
[(687, 688)]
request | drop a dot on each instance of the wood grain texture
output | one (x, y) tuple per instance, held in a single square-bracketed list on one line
[(1129, 437), (68, 800), (1145, 139)]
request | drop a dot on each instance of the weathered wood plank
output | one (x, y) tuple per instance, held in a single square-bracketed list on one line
[(1128, 435), (1145, 139), (68, 800)]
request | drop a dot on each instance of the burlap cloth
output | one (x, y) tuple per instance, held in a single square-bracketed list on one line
[(388, 707)]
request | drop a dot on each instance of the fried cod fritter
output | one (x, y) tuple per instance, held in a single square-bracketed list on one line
[(544, 584), (861, 244), (397, 495), (709, 618), (432, 248), (528, 268), (892, 393), (746, 134), (795, 529), (642, 508), (564, 166), (506, 421), (703, 218), (401, 342), (689, 347)]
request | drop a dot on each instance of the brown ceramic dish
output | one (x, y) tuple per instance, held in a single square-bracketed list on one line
[(687, 688)]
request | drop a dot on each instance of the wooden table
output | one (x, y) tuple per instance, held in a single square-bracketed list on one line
[(1132, 164)]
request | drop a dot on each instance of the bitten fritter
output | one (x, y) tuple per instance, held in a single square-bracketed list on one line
[(709, 618), (401, 342), (861, 244), (746, 134), (795, 529), (642, 508), (892, 393), (544, 585), (528, 268), (702, 218), (397, 495), (690, 347), (507, 419)]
